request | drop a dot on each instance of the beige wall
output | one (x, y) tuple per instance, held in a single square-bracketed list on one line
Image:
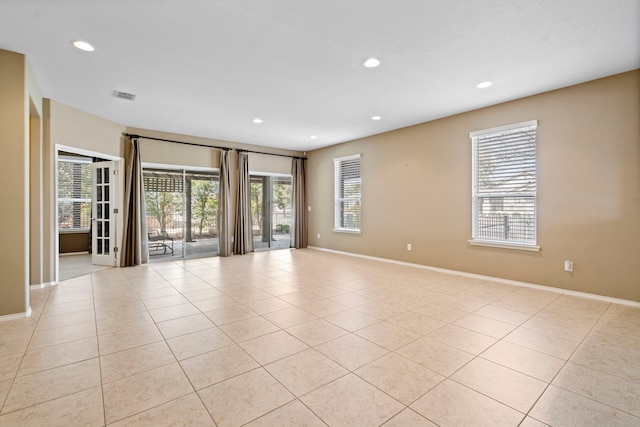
[(168, 153), (14, 176), (49, 203), (35, 200), (417, 189), (74, 242), (75, 128), (36, 152), (262, 163), (183, 156)]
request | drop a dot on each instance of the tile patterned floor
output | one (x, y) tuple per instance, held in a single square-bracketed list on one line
[(303, 337), (76, 265)]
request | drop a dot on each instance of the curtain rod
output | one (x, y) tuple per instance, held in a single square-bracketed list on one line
[(268, 154), (178, 142), (210, 146)]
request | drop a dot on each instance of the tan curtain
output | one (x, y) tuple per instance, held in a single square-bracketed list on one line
[(299, 233), (243, 240), (134, 240), (224, 207)]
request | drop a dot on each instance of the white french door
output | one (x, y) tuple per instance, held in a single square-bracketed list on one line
[(103, 221)]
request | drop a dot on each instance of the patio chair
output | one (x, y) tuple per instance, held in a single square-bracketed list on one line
[(160, 240)]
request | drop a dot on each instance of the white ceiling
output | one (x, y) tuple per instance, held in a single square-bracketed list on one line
[(208, 67)]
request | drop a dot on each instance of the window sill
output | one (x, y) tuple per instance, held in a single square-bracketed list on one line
[(347, 230), (73, 231), (505, 245)]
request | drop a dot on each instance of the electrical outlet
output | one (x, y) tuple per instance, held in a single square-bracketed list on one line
[(568, 266), (408, 246), (318, 235)]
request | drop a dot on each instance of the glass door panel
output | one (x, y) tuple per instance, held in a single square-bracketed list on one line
[(164, 203), (281, 211), (271, 211), (259, 192), (201, 213), (182, 213)]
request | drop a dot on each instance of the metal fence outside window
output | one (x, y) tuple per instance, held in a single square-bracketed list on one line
[(511, 227), (175, 226)]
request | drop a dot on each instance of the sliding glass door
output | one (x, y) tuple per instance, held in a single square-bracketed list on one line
[(271, 211), (182, 209), (201, 214)]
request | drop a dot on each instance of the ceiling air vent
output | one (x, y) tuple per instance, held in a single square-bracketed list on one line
[(123, 95)]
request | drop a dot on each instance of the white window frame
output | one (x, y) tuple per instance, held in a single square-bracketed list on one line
[(338, 214), (478, 238)]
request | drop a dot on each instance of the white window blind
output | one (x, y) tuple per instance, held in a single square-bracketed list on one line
[(74, 193), (347, 193), (504, 184)]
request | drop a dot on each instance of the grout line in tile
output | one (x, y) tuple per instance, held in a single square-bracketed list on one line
[(104, 408), (565, 361)]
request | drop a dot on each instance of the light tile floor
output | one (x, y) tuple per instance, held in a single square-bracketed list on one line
[(303, 337), (76, 265)]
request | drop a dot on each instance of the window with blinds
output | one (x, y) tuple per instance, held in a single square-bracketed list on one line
[(74, 193), (504, 184), (347, 193)]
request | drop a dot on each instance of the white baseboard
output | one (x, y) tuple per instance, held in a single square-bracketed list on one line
[(16, 316), (42, 285), (495, 279)]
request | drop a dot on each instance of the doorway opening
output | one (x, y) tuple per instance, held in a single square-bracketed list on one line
[(76, 206)]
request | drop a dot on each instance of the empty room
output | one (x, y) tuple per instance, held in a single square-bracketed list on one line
[(320, 213)]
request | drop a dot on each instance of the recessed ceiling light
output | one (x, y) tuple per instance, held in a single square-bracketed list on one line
[(375, 117), (371, 63), (484, 85), (313, 137), (83, 46), (257, 120)]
